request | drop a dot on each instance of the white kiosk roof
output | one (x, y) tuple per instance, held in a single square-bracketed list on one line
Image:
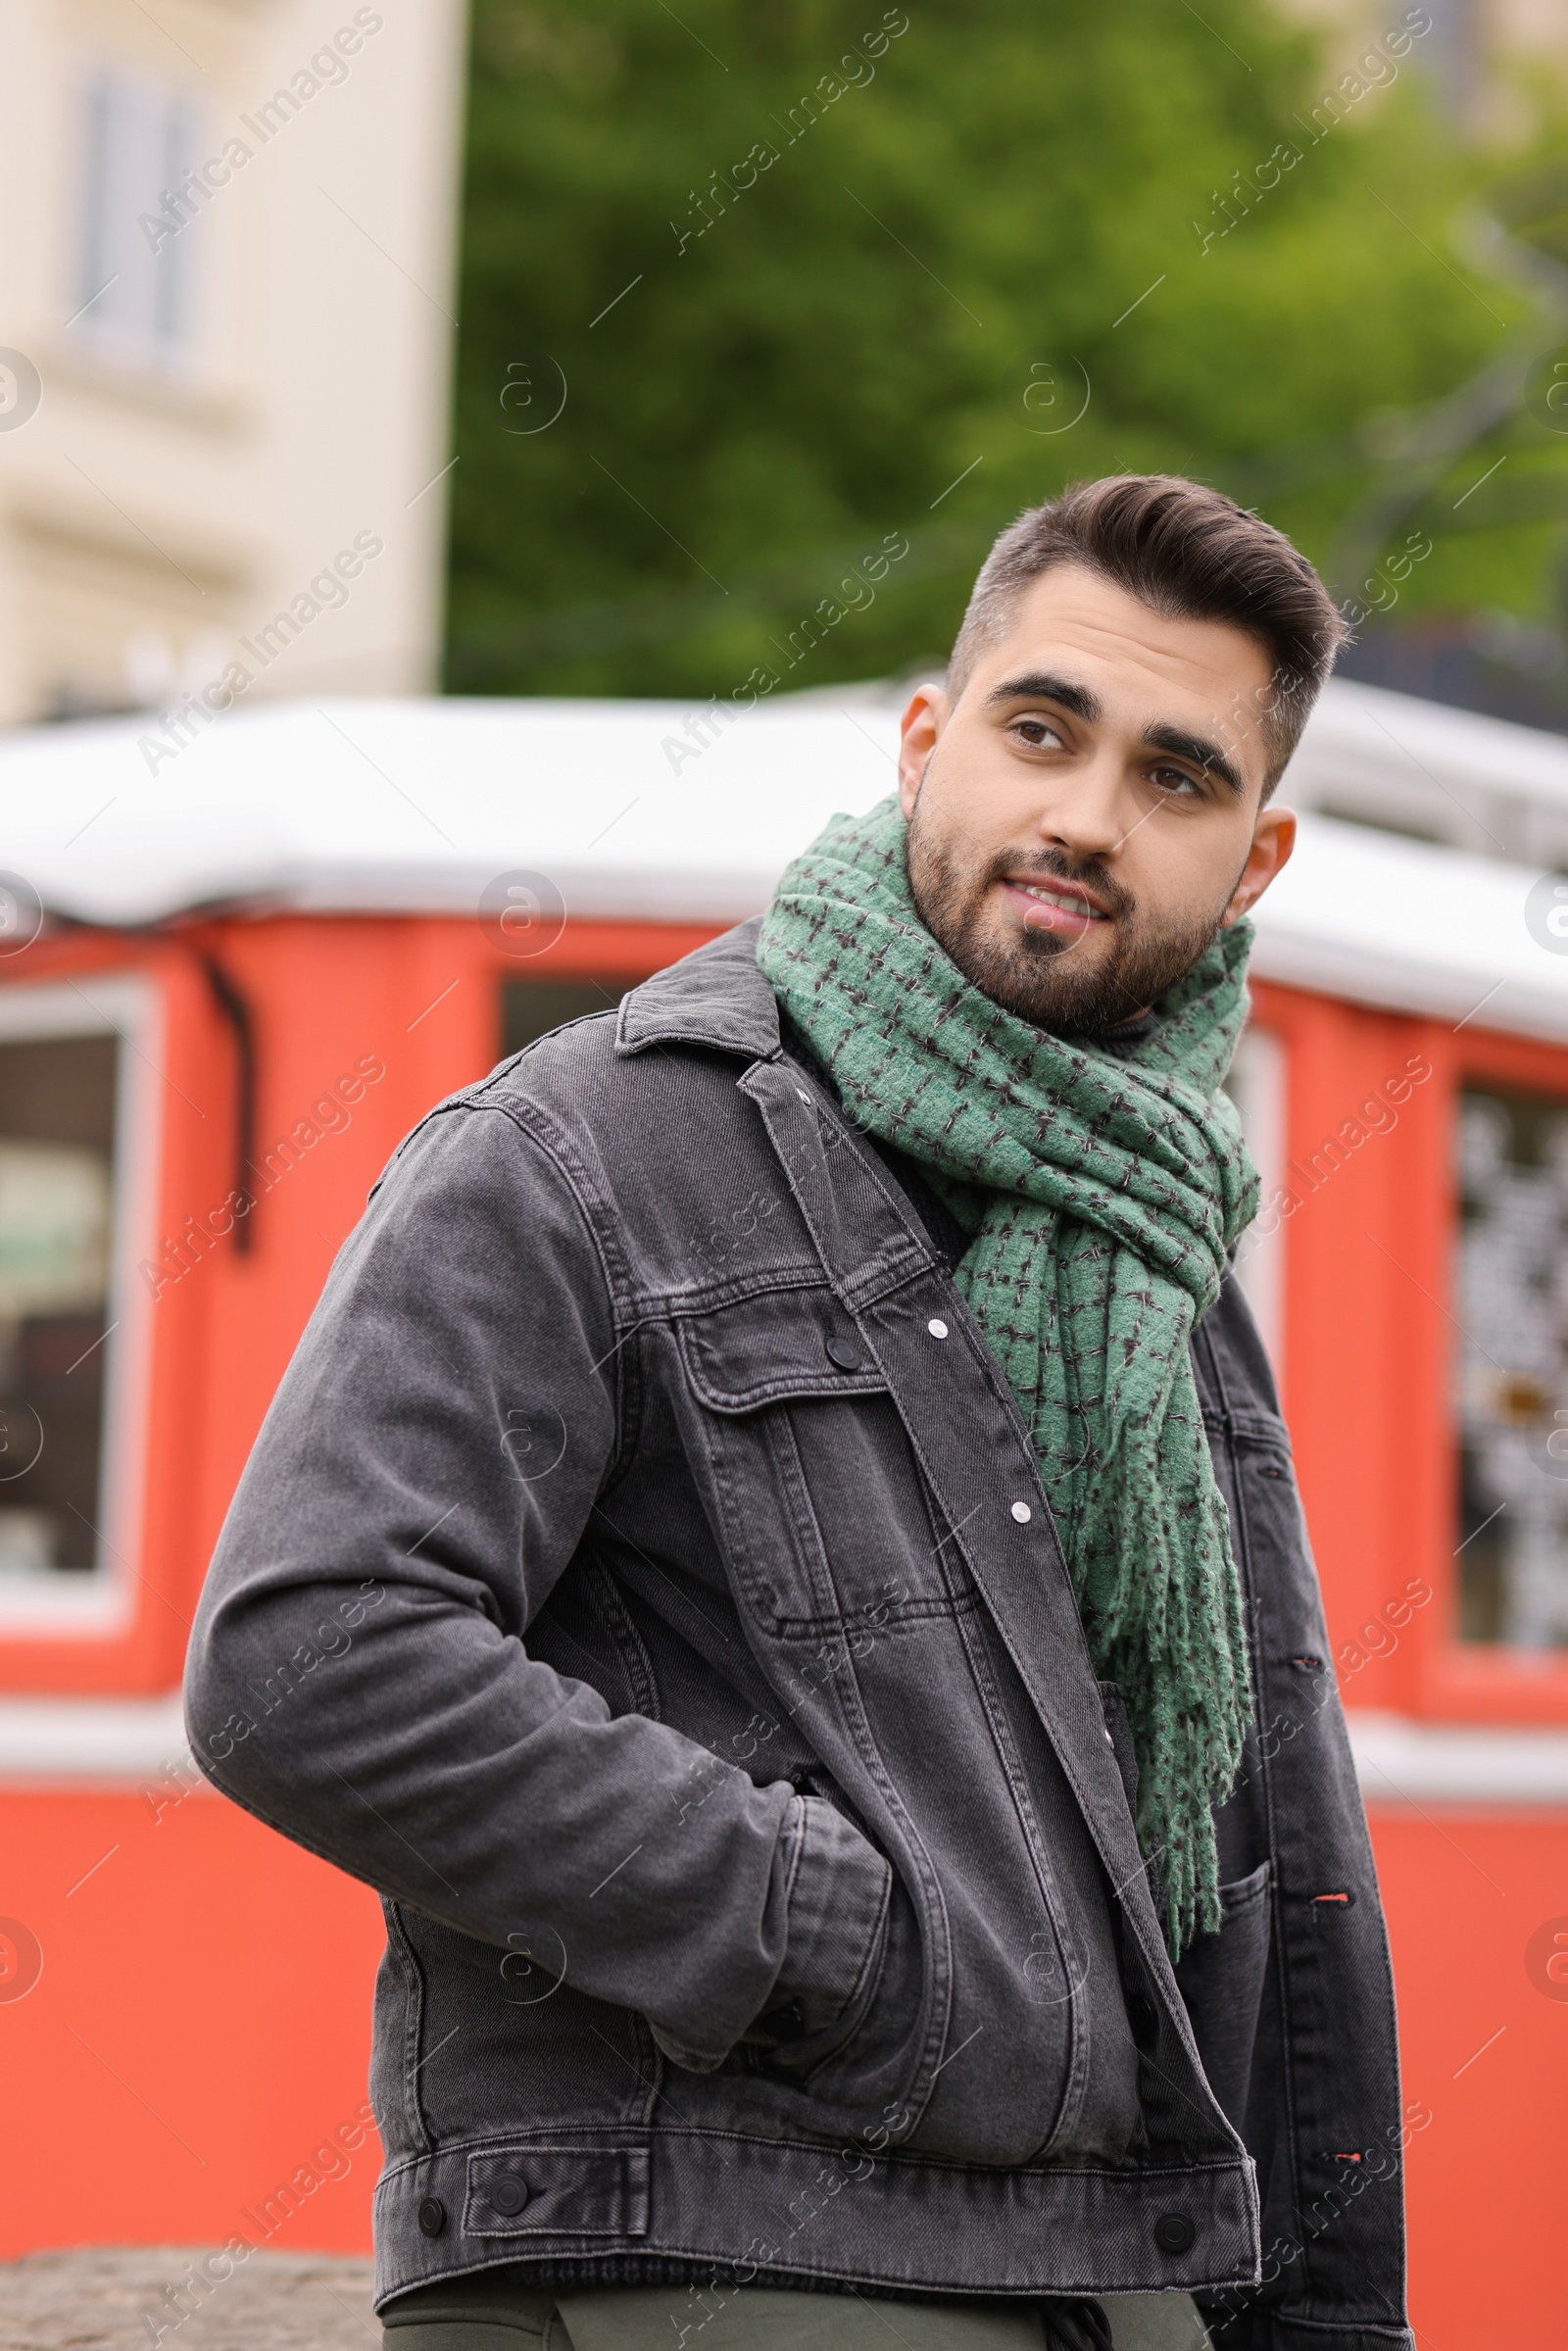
[(376, 807)]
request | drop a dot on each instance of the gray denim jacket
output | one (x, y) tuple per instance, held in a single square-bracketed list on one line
[(644, 1581)]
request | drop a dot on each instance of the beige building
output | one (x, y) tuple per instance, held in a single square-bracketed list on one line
[(227, 287), (1485, 54)]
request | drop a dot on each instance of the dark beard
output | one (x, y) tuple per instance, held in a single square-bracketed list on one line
[(1039, 976)]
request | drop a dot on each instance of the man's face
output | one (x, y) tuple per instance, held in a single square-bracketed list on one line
[(1086, 817)]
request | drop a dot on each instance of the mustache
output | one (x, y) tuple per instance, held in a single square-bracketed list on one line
[(1053, 864)]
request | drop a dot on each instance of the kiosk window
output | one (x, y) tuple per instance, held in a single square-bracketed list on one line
[(531, 1008), (57, 1157), (1511, 1369)]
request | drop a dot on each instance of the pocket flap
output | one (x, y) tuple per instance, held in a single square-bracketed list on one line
[(788, 1342)]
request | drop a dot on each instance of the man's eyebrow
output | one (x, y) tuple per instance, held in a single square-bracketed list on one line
[(1039, 685), (1035, 685), (1202, 752)]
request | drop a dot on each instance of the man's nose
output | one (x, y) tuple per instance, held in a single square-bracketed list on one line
[(1091, 812)]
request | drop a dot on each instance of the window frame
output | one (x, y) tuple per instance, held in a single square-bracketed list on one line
[(1463, 1678), (1366, 1381), (1259, 1085), (102, 1601), (103, 86)]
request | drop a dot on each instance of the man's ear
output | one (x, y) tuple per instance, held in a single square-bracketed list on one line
[(923, 722), (1272, 844)]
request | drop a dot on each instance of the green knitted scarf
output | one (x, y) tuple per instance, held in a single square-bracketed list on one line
[(1100, 1193)]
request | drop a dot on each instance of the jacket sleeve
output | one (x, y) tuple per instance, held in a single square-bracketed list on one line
[(358, 1675)]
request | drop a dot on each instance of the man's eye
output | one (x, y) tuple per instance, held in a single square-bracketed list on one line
[(1176, 781), (1038, 733)]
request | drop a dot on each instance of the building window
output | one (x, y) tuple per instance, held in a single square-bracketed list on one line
[(1511, 1357), (1257, 1085), (135, 255), (70, 1321)]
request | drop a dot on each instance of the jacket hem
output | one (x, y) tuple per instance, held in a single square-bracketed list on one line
[(1337, 2334), (811, 2215)]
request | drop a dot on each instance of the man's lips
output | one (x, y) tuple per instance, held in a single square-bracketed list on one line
[(1052, 905)]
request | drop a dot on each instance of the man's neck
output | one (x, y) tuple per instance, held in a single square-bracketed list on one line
[(1124, 1036)]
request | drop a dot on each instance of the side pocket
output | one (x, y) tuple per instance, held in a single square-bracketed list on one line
[(837, 1890), (1221, 1979), (840, 1889)]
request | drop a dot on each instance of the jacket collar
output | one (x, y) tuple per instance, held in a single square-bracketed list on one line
[(714, 996)]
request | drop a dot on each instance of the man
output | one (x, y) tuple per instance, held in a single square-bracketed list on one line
[(808, 1624)]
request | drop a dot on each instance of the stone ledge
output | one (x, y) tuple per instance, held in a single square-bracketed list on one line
[(108, 2298)]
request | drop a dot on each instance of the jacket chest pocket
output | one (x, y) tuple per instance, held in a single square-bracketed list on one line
[(828, 1527)]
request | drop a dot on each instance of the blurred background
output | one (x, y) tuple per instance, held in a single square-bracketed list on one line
[(782, 301), (473, 485)]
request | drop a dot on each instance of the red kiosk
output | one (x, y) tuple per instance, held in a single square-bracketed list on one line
[(248, 968)]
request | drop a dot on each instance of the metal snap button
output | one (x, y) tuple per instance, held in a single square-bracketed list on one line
[(1173, 2233), (937, 1327), (844, 1353), (508, 2192), (433, 2217), (1023, 1513)]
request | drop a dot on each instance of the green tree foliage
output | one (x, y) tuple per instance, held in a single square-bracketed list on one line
[(810, 272)]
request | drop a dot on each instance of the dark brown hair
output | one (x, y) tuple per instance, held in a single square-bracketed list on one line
[(1187, 552)]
